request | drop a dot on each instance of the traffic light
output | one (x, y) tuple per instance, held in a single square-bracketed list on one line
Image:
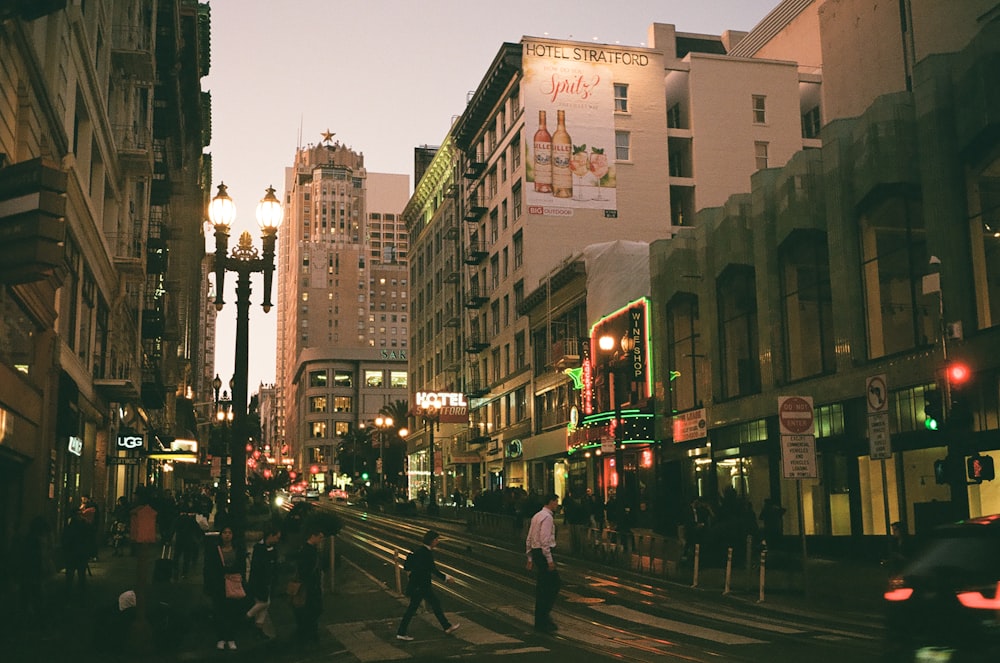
[(933, 412), (958, 374), (980, 468), (364, 476)]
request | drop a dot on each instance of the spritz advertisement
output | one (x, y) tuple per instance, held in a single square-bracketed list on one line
[(568, 94)]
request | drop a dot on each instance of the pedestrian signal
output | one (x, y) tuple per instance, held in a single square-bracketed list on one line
[(980, 468)]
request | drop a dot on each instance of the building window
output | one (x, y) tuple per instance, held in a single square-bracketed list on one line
[(760, 154), (317, 404), (810, 123), (737, 301), (519, 351), (623, 151), (317, 378), (518, 249), (317, 429), (894, 256), (515, 194), (518, 294), (397, 379), (621, 98), (341, 428), (343, 379), (342, 403), (17, 330), (374, 378), (674, 116), (684, 351), (759, 109), (808, 306)]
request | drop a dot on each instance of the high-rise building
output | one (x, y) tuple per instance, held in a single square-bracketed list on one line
[(563, 145), (343, 303), (102, 301)]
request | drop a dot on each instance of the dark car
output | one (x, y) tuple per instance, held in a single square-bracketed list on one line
[(945, 603)]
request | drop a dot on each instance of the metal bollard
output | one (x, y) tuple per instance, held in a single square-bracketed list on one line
[(396, 565), (763, 561), (749, 562), (697, 554), (729, 569)]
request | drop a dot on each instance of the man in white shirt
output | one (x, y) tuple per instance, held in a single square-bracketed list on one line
[(538, 548)]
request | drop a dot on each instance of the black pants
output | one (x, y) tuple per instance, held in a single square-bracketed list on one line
[(432, 602), (547, 585)]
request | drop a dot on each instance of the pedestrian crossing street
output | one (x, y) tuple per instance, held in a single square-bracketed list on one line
[(611, 628)]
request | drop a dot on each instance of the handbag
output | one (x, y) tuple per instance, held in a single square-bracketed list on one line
[(234, 586), (234, 582), (296, 593)]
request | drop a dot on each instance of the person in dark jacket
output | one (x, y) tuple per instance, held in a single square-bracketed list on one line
[(221, 560), (420, 564), (77, 546), (263, 567), (309, 572)]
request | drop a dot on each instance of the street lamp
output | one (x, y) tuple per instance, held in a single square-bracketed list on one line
[(609, 344), (383, 424), (224, 419), (244, 261), (431, 414)]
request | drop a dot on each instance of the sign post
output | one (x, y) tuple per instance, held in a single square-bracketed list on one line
[(796, 422), (879, 440)]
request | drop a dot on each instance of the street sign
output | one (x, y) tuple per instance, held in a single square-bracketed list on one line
[(877, 394), (607, 445), (798, 457), (877, 399), (123, 460), (795, 415), (690, 426)]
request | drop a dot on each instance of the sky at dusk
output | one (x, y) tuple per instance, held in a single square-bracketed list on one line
[(385, 76)]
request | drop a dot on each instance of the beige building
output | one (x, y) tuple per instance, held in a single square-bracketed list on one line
[(102, 127), (654, 133), (343, 303)]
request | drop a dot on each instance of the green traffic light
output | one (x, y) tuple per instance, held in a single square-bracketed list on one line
[(930, 423), (364, 476)]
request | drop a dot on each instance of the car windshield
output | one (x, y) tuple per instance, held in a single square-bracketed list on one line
[(968, 555)]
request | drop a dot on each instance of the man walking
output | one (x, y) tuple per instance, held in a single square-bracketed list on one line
[(420, 564), (538, 547), (263, 565)]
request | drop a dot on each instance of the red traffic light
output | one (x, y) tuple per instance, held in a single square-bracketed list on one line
[(314, 469), (958, 373)]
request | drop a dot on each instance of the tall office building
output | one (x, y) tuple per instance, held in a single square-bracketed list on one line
[(342, 304)]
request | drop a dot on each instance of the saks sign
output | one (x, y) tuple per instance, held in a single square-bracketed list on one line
[(451, 407), (130, 441)]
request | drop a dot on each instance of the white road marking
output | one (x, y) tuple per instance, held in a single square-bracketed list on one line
[(471, 632), (581, 634), (676, 627), (364, 644)]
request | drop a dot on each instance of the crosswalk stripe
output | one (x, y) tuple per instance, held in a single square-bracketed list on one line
[(364, 644), (583, 635), (674, 626), (472, 632), (735, 619)]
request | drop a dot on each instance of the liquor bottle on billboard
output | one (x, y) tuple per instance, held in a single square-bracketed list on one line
[(543, 156), (599, 167), (562, 152)]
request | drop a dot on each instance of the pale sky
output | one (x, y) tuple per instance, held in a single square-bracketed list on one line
[(385, 76)]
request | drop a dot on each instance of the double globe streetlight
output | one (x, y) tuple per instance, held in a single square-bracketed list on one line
[(244, 261)]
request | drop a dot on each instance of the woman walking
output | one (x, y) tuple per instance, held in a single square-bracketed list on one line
[(225, 570)]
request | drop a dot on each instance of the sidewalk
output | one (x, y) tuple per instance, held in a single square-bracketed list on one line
[(86, 627)]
